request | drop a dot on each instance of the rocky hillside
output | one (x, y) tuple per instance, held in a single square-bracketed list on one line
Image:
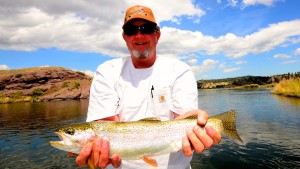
[(43, 84)]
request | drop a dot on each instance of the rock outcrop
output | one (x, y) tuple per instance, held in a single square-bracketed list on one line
[(43, 84)]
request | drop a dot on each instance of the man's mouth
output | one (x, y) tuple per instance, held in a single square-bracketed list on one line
[(140, 43)]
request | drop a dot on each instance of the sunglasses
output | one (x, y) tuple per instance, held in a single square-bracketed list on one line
[(144, 29)]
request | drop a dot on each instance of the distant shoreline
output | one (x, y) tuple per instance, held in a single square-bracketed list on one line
[(58, 83)]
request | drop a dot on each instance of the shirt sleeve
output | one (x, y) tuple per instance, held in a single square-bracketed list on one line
[(184, 91), (103, 99)]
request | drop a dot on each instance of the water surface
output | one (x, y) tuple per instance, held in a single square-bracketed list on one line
[(268, 124)]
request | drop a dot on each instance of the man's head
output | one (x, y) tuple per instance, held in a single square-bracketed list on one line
[(141, 34)]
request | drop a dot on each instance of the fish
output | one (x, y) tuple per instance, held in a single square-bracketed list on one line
[(143, 139)]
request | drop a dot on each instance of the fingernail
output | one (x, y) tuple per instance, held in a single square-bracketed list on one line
[(202, 120)]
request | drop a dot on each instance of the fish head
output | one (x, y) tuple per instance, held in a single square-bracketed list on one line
[(73, 137)]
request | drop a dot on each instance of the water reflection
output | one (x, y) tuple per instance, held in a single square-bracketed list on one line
[(27, 128)]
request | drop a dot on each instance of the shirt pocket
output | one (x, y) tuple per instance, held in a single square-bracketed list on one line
[(161, 101)]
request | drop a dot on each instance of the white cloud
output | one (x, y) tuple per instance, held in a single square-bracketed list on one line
[(95, 26), (297, 51), (177, 41), (255, 2), (4, 67), (283, 56), (206, 65), (228, 70), (289, 62), (89, 72), (240, 62), (191, 62), (222, 65), (87, 26), (232, 3)]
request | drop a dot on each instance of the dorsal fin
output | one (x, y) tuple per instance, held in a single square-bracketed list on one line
[(150, 119)]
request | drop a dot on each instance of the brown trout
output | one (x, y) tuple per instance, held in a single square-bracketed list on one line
[(141, 139)]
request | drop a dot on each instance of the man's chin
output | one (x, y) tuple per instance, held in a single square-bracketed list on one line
[(141, 54)]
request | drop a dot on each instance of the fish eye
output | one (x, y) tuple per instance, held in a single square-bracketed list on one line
[(70, 131)]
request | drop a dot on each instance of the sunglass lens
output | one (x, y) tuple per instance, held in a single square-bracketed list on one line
[(130, 29), (145, 29)]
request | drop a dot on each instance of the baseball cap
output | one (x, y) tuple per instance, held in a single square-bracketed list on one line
[(139, 12)]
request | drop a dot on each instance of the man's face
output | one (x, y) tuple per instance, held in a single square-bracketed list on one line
[(141, 45)]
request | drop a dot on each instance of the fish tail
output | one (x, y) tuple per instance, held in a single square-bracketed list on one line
[(228, 126)]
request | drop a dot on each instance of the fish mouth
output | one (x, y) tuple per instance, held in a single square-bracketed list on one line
[(62, 141), (62, 137)]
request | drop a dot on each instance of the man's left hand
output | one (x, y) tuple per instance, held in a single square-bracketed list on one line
[(197, 139)]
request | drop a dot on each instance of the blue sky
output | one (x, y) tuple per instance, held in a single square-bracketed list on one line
[(217, 38)]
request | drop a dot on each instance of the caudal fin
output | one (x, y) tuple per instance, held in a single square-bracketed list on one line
[(225, 124)]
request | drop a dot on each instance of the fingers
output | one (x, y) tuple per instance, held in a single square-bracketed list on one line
[(198, 138), (104, 154), (115, 160), (81, 160), (216, 136), (186, 147), (97, 149), (202, 117)]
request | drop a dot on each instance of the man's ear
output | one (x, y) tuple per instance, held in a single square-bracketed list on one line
[(157, 35), (124, 36)]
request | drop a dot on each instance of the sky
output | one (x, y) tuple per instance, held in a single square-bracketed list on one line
[(217, 38)]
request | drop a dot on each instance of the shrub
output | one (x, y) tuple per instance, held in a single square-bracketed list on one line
[(289, 87), (18, 75), (37, 92), (65, 84), (76, 85)]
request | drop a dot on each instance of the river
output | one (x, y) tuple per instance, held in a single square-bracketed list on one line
[(268, 124)]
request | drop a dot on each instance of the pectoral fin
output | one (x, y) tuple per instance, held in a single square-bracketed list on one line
[(150, 161)]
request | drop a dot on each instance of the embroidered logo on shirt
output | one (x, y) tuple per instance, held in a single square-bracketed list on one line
[(162, 99)]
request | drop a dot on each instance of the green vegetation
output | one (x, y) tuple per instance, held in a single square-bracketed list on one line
[(18, 75), (16, 97), (289, 87), (65, 84), (249, 82), (37, 92), (81, 73), (76, 85)]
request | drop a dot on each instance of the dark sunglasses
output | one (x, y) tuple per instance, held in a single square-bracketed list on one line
[(144, 29)]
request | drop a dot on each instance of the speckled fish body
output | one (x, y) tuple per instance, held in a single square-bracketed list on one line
[(138, 139)]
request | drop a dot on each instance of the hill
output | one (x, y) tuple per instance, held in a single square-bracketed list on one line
[(245, 81), (43, 84)]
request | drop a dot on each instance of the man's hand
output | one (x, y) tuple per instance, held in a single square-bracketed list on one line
[(197, 139), (98, 152)]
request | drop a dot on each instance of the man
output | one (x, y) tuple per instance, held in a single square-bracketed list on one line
[(145, 85)]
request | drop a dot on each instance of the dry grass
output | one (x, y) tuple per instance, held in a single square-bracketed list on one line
[(289, 87)]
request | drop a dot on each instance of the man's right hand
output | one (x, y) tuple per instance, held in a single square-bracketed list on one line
[(98, 152)]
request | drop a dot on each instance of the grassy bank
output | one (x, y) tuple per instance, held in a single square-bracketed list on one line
[(289, 87)]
